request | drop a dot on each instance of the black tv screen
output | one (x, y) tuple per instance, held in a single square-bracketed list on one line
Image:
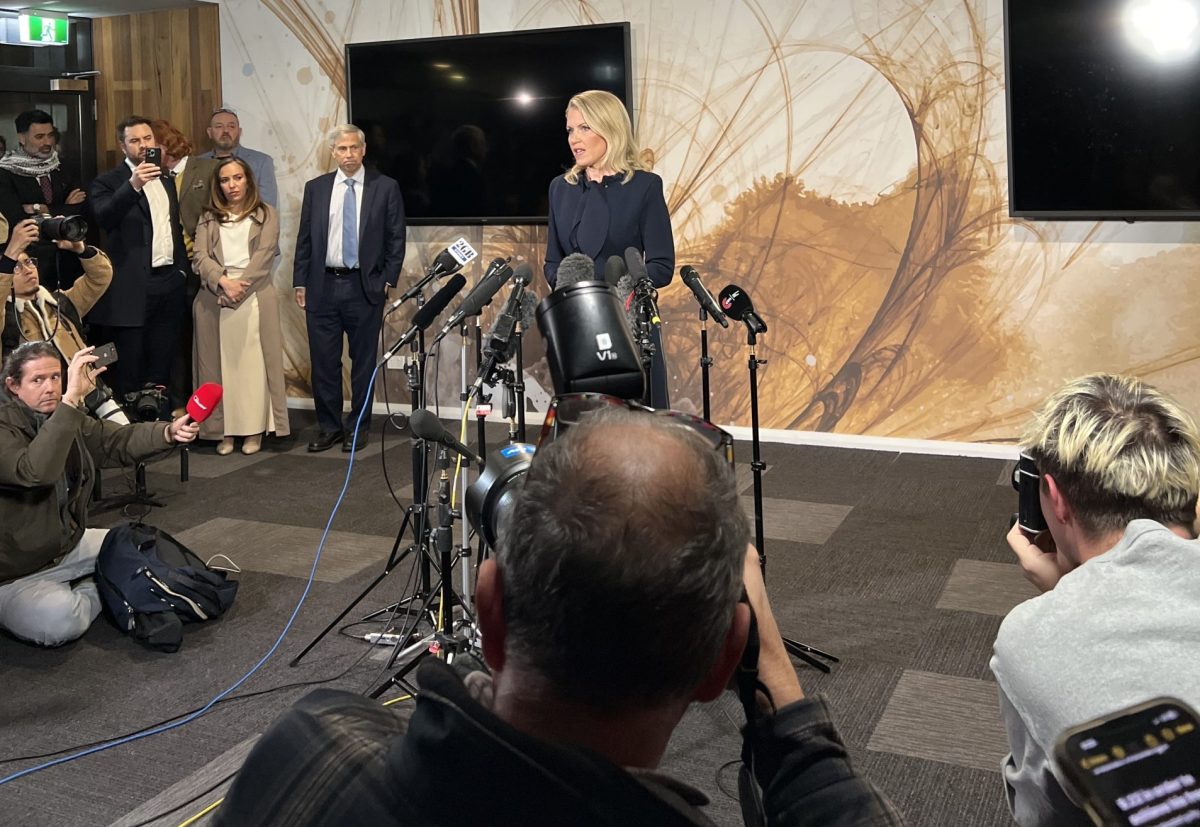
[(473, 127), (1103, 109)]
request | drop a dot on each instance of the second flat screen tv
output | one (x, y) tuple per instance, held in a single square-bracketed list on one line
[(473, 127), (1103, 112)]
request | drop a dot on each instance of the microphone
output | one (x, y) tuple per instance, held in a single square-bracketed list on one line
[(480, 296), (573, 269), (737, 304), (425, 314), (692, 279), (204, 401), (614, 268), (500, 339), (425, 425), (445, 263), (635, 265), (643, 288)]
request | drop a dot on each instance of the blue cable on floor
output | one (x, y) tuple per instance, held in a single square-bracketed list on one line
[(307, 587)]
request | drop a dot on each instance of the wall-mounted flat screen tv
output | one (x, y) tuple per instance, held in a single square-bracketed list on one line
[(473, 127), (1103, 108)]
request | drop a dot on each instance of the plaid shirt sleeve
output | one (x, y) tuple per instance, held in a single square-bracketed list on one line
[(323, 762)]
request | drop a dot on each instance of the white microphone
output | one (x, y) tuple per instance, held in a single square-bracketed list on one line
[(445, 263)]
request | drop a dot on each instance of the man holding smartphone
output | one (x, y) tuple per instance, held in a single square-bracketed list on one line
[(1118, 466), (142, 310), (31, 313), (49, 454)]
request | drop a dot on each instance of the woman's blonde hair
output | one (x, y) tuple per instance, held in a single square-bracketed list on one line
[(608, 118)]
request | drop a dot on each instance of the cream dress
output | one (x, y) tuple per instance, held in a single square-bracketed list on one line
[(243, 369)]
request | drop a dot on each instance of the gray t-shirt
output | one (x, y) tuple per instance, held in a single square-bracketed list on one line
[(1122, 628)]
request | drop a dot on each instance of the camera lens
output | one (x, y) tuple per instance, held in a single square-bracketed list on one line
[(61, 228), (491, 498)]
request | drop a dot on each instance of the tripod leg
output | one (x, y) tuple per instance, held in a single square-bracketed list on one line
[(392, 562)]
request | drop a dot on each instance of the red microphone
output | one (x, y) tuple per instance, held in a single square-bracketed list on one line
[(204, 401)]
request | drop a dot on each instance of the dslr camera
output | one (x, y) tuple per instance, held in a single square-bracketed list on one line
[(148, 404), (60, 227)]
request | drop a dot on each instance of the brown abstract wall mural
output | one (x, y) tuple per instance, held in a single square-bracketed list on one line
[(842, 160)]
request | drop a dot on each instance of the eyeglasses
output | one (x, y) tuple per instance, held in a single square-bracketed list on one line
[(29, 265), (223, 111), (572, 408)]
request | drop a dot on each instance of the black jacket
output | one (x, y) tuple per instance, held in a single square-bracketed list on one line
[(338, 758), (18, 190), (380, 244), (47, 475), (124, 215)]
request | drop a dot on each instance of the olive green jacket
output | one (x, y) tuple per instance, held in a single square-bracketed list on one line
[(47, 475)]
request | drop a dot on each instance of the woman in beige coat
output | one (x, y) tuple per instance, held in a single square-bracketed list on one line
[(238, 342)]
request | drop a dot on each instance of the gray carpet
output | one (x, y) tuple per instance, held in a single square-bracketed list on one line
[(894, 562)]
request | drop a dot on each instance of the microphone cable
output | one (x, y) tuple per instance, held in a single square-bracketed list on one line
[(188, 718)]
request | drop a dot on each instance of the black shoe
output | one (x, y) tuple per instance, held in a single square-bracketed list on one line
[(348, 441), (324, 441)]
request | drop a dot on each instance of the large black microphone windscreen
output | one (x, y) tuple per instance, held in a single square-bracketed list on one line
[(433, 308), (573, 269), (736, 303), (635, 264)]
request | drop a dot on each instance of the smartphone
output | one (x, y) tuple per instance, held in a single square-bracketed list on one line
[(105, 355), (1137, 767), (153, 155)]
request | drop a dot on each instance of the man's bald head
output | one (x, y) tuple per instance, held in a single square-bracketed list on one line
[(622, 562)]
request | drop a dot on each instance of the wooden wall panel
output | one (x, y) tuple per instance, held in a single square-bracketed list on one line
[(161, 64)]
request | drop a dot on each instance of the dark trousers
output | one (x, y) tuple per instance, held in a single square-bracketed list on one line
[(145, 354), (344, 310)]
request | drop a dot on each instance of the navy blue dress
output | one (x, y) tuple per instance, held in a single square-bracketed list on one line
[(601, 219)]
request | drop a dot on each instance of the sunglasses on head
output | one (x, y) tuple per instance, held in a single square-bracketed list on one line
[(571, 408)]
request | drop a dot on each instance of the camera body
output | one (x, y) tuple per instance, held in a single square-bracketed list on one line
[(1027, 483), (148, 404), (60, 227)]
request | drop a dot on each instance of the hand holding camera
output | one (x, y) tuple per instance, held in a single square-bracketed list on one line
[(22, 235)]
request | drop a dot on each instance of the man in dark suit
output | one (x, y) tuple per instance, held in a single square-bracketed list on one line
[(33, 181), (349, 249), (147, 301)]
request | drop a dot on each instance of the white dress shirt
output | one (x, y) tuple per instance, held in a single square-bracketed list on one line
[(162, 248), (333, 250)]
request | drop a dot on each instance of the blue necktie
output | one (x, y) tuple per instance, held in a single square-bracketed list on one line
[(349, 227)]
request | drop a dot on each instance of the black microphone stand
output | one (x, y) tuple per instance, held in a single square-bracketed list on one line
[(518, 382), (442, 640), (415, 516), (646, 298), (796, 649), (705, 363)]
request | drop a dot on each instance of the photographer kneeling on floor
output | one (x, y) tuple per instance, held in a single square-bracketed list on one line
[(49, 452)]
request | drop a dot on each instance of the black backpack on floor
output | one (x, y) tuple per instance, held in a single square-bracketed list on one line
[(151, 584)]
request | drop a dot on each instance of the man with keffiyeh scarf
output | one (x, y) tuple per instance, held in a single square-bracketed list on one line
[(32, 180)]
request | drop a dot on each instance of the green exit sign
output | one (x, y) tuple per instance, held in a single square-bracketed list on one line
[(42, 29)]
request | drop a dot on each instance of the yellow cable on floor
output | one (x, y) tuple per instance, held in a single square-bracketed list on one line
[(202, 813)]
